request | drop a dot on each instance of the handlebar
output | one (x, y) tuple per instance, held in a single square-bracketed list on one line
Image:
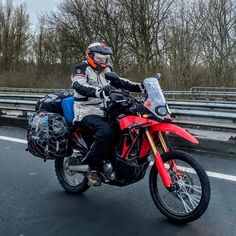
[(126, 97)]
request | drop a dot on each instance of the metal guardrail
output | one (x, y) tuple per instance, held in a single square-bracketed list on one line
[(216, 114), (219, 89), (220, 114), (204, 91), (30, 90), (207, 94), (211, 114)]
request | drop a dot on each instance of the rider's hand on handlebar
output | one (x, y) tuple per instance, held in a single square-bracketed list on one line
[(106, 91)]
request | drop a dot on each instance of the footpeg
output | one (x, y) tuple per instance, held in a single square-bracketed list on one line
[(93, 182)]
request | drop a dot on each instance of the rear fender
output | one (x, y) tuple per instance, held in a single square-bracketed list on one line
[(164, 127)]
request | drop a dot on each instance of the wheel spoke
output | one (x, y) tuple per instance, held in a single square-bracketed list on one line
[(194, 187), (194, 201), (76, 180), (186, 206), (195, 197), (72, 178)]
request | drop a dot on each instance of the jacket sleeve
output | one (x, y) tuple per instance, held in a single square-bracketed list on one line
[(131, 86), (80, 84)]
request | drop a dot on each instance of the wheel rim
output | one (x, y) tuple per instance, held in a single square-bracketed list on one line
[(72, 178), (188, 193)]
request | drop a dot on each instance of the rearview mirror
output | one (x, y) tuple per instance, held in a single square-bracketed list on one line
[(157, 76)]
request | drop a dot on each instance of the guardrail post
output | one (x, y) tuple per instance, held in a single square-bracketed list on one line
[(24, 113)]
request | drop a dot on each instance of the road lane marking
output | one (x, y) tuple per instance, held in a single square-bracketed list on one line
[(209, 173), (16, 140), (221, 176)]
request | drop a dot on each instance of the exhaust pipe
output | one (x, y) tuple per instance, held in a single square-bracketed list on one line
[(78, 168)]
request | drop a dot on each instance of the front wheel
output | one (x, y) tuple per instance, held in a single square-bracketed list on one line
[(190, 197), (71, 181)]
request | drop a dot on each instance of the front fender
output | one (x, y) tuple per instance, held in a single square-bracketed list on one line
[(165, 127)]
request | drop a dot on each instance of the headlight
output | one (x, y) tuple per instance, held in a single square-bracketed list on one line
[(162, 111)]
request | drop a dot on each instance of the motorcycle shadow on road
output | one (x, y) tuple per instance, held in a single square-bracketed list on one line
[(100, 212)]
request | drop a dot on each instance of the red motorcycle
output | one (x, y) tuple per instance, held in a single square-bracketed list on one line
[(178, 184)]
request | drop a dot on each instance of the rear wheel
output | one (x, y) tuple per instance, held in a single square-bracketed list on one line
[(71, 181), (191, 195)]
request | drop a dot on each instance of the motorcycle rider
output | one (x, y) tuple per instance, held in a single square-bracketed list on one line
[(90, 85)]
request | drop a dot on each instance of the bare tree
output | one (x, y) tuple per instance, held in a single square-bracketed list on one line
[(190, 42), (182, 44), (144, 23), (14, 35), (218, 38)]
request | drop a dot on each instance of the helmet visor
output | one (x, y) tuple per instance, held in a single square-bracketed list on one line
[(100, 58)]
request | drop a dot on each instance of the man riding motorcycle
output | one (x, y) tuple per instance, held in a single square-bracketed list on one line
[(90, 85)]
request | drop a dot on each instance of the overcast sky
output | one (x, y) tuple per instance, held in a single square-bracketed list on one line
[(36, 7)]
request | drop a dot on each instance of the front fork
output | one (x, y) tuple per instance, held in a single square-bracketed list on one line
[(158, 160)]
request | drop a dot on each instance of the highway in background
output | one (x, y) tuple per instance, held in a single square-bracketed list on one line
[(33, 203)]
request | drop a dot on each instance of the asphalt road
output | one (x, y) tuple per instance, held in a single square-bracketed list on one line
[(32, 203)]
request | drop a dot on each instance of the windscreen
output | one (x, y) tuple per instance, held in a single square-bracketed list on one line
[(155, 102)]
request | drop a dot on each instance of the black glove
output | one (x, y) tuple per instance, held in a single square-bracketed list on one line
[(114, 80), (106, 89)]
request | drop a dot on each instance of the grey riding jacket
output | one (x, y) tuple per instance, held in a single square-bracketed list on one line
[(87, 84)]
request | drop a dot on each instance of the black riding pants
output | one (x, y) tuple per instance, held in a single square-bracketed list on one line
[(103, 139)]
